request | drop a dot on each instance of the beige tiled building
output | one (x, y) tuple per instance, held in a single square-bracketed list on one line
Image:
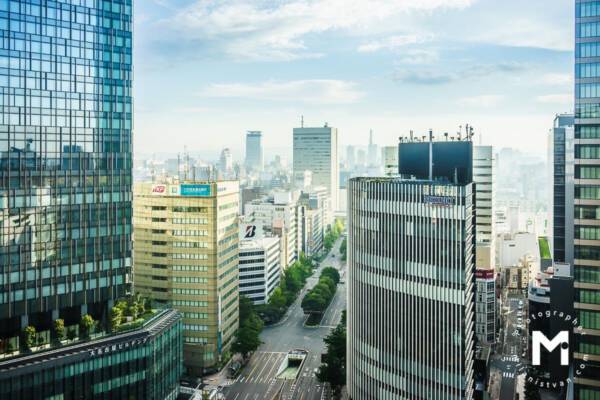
[(186, 256)]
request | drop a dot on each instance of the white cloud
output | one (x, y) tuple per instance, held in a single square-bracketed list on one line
[(392, 42), (419, 56), (556, 79), (563, 98), (314, 91), (527, 32), (482, 101), (263, 29)]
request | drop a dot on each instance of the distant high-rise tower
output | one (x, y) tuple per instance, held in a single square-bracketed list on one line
[(254, 151), (586, 250), (372, 149), (226, 162), (315, 149), (350, 157), (389, 156)]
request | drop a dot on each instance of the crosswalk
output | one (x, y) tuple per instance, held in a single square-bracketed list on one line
[(513, 358), (506, 374)]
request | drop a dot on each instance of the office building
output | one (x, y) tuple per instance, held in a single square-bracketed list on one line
[(561, 150), (361, 158), (278, 215), (586, 252), (551, 290), (259, 268), (311, 219), (254, 151), (484, 179), (316, 150), (410, 289), (226, 163), (350, 157), (372, 149), (485, 306), (142, 363), (186, 257), (65, 238), (389, 157)]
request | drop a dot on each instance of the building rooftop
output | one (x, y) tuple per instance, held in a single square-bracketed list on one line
[(97, 345), (401, 180), (247, 244)]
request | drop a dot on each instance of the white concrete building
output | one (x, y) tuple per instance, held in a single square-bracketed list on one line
[(485, 305), (259, 268), (389, 157), (316, 149), (277, 215), (484, 179)]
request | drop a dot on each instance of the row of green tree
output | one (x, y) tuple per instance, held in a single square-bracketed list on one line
[(343, 249), (333, 233), (247, 338), (319, 297), (286, 293), (333, 367), (30, 337)]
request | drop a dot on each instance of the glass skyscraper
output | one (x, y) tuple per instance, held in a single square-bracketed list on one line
[(586, 250), (65, 160)]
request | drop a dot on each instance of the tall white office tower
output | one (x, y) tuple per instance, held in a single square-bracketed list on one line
[(372, 150), (484, 179), (254, 151), (316, 150), (410, 289)]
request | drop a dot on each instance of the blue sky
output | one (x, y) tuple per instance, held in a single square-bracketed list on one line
[(207, 71)]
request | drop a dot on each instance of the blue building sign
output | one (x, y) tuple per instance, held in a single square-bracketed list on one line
[(195, 190), (443, 201)]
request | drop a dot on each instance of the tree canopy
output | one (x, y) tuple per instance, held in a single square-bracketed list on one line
[(333, 368)]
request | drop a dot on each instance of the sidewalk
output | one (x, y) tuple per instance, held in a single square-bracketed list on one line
[(221, 378)]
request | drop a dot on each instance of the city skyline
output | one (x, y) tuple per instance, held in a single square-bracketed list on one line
[(265, 65)]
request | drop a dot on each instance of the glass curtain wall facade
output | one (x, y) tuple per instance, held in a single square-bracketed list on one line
[(562, 153), (65, 159), (142, 364), (587, 195), (410, 290)]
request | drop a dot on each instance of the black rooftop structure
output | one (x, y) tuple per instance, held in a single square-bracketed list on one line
[(446, 160)]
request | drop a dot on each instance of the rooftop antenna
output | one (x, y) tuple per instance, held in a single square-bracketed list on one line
[(178, 166), (153, 169), (430, 153)]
